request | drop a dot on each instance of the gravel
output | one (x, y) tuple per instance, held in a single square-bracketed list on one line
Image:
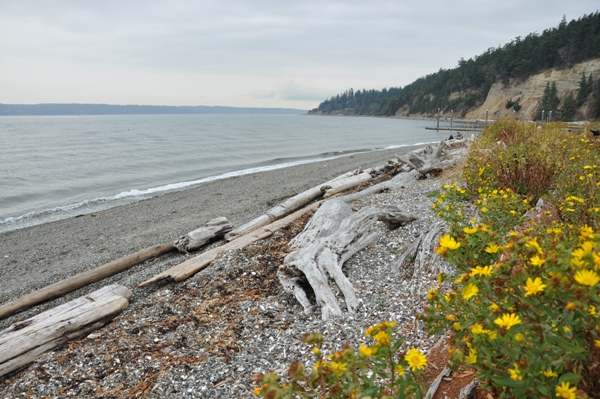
[(211, 335)]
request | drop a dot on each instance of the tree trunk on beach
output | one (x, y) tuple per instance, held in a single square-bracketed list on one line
[(23, 342)]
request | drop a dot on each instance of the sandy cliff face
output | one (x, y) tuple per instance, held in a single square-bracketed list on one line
[(532, 90)]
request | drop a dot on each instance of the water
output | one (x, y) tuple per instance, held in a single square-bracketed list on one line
[(54, 167)]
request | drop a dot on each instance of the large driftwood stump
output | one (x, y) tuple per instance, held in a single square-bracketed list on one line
[(333, 235), (24, 341)]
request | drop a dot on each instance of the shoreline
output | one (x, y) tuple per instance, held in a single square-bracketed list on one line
[(34, 257), (103, 203)]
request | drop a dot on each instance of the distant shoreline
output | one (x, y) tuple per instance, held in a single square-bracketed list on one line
[(111, 109)]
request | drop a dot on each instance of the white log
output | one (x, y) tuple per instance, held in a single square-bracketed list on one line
[(345, 184), (333, 235), (23, 342), (347, 180), (194, 265), (400, 181), (199, 237)]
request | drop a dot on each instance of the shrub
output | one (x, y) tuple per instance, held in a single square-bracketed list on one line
[(524, 308)]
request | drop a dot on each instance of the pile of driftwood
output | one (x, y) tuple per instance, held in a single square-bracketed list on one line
[(333, 235)]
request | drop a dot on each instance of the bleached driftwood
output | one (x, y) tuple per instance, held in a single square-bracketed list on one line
[(398, 182), (24, 341), (419, 252), (333, 235), (470, 391), (340, 183), (436, 383), (199, 237), (194, 265), (79, 280)]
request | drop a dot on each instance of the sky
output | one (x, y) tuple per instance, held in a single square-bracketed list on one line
[(247, 53)]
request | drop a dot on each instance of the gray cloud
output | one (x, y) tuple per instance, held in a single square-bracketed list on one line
[(246, 53)]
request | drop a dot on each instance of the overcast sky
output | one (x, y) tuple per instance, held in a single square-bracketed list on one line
[(252, 53)]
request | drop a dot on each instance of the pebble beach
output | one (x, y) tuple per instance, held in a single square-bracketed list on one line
[(211, 334)]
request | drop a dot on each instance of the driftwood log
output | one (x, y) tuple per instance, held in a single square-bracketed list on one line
[(194, 265), (333, 235), (79, 280), (329, 188), (195, 239), (23, 342)]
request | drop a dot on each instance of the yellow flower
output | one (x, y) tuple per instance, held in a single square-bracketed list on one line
[(365, 350), (382, 338), (492, 335), (317, 351), (369, 331), (399, 369), (492, 248), (587, 277), (586, 232), (390, 324), (535, 246), (470, 230), (339, 367), (447, 242), (469, 291), (532, 287), (415, 359), (519, 337), (493, 307), (515, 373), (432, 293), (565, 391), (476, 328), (508, 320), (485, 271), (537, 261), (513, 233), (549, 373), (597, 343), (472, 357)]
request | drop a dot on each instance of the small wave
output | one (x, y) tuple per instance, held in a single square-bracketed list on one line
[(134, 195)]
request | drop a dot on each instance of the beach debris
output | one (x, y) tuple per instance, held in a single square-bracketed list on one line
[(195, 239), (79, 280), (332, 236), (23, 342), (327, 189), (194, 265)]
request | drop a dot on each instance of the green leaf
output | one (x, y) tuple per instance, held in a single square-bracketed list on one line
[(570, 377), (508, 382), (564, 344), (543, 389)]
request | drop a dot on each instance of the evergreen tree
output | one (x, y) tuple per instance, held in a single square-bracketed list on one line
[(550, 101), (584, 90), (567, 113)]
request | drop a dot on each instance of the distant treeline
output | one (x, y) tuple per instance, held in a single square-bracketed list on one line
[(107, 109), (470, 82)]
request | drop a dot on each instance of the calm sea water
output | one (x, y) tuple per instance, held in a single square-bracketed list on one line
[(54, 167)]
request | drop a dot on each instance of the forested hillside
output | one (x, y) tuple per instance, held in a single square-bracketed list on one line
[(466, 87)]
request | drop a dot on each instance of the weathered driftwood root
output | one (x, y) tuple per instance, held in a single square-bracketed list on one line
[(419, 252), (199, 237), (340, 183), (194, 265), (24, 341), (333, 235), (436, 383)]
